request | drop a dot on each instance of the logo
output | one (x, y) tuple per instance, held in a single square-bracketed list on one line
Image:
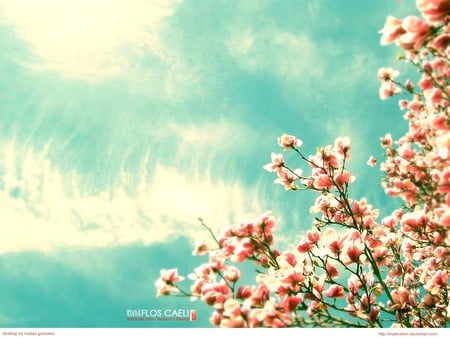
[(161, 314)]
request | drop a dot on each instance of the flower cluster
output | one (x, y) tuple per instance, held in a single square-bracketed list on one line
[(352, 269), (417, 167)]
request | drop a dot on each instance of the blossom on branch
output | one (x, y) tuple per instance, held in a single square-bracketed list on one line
[(351, 268)]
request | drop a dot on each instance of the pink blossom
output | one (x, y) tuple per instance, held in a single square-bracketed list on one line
[(342, 146), (440, 65), (409, 86), (287, 178), (366, 302), (243, 292), (441, 43), (406, 151), (434, 10), (415, 105), (231, 307), (204, 271), (305, 246), (443, 145), (441, 278), (165, 283), (289, 258), (215, 318), (444, 218), (294, 278), (335, 291), (322, 182), (232, 317), (332, 271), (391, 31), (400, 297), (374, 313), (260, 294), (425, 83), (333, 241), (217, 260), (290, 303), (264, 226), (372, 161), (170, 275), (381, 255), (318, 286), (288, 141), (325, 159), (434, 97), (354, 252), (403, 104), (276, 164), (417, 32), (275, 317), (264, 261), (244, 249), (386, 74), (440, 122), (386, 141), (388, 89), (354, 284), (342, 178), (428, 301), (163, 289), (313, 236), (196, 287), (215, 294), (231, 274), (313, 306), (200, 249)]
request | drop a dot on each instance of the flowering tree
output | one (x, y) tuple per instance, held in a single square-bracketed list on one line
[(352, 269)]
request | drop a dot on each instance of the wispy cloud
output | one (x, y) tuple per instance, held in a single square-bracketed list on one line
[(206, 138), (288, 55), (44, 209), (86, 39)]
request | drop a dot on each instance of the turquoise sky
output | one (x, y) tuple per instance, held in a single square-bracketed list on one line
[(122, 122)]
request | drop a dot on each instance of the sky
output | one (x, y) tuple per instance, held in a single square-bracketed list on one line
[(122, 122)]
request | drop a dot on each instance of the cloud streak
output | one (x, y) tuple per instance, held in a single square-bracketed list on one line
[(288, 55), (44, 209), (85, 39)]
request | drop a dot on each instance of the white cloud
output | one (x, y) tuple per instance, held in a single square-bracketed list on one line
[(209, 137), (88, 39), (290, 56), (43, 209)]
